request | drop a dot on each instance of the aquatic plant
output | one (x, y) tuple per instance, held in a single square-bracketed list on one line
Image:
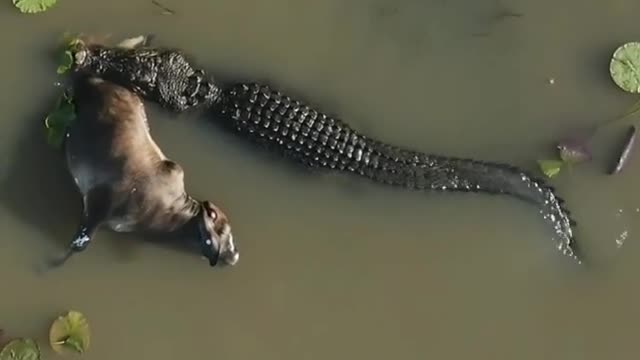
[(550, 168), (625, 67), (64, 113), (33, 6), (59, 119), (20, 349), (65, 55), (70, 332)]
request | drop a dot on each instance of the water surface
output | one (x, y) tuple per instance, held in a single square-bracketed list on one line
[(333, 267)]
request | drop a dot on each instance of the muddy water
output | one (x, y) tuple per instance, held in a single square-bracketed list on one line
[(333, 267)]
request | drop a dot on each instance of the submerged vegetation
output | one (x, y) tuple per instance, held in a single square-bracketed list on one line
[(59, 119), (68, 333), (63, 114)]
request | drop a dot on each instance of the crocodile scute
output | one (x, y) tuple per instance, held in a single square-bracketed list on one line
[(304, 134)]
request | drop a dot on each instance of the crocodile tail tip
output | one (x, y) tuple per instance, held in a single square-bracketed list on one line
[(565, 227), (555, 211)]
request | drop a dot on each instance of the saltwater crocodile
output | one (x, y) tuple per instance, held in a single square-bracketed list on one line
[(306, 135)]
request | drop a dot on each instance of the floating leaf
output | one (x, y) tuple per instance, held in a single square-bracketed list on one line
[(70, 331), (20, 349), (550, 168), (574, 150), (66, 62), (57, 122), (625, 154), (33, 6), (625, 67)]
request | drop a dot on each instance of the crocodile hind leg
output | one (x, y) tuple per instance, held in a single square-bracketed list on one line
[(96, 206)]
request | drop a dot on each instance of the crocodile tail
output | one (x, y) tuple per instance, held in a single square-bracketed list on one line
[(302, 133), (420, 171), (317, 140)]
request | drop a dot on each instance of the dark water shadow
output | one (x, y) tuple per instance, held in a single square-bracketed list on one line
[(37, 187), (132, 246)]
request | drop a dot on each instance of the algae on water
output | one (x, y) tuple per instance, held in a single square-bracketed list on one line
[(70, 332)]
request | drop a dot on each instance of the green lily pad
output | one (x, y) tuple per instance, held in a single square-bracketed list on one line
[(625, 67), (33, 6), (550, 168), (57, 122), (20, 349), (70, 332)]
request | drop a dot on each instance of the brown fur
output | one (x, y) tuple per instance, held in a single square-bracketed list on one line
[(126, 181)]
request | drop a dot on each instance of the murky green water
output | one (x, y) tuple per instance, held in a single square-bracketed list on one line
[(333, 267)]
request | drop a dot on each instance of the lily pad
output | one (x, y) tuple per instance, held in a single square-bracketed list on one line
[(550, 168), (625, 67), (20, 349), (70, 332), (33, 6), (57, 122)]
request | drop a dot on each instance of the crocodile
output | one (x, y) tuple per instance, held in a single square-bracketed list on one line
[(297, 130)]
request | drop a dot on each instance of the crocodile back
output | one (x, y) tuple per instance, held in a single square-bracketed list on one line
[(315, 139), (306, 135)]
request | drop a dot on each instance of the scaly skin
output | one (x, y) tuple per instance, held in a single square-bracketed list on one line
[(301, 133)]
